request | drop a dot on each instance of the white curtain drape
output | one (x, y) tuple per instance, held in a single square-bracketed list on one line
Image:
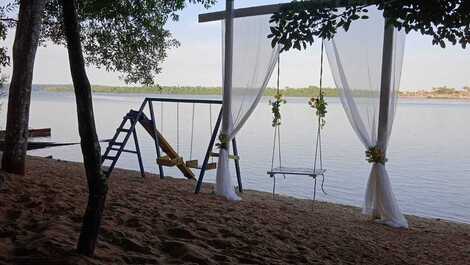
[(355, 58), (253, 63)]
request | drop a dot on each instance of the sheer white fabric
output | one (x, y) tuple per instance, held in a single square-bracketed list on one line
[(253, 63), (355, 59)]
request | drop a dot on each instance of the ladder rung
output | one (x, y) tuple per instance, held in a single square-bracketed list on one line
[(129, 151), (117, 143), (109, 157), (123, 150), (123, 130)]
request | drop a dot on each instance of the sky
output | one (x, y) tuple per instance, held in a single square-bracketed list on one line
[(197, 62)]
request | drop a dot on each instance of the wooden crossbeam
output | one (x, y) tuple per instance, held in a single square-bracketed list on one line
[(270, 9)]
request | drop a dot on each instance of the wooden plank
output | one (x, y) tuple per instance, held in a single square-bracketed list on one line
[(38, 145), (192, 163), (296, 171), (165, 146), (211, 166), (270, 9), (166, 161), (43, 132)]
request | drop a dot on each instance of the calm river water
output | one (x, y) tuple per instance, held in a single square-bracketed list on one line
[(429, 161)]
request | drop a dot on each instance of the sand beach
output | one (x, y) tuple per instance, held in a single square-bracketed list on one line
[(153, 221)]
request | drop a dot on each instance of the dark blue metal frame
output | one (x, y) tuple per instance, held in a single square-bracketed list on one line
[(210, 147)]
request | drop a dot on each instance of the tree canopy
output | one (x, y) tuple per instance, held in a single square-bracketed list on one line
[(124, 36), (297, 25)]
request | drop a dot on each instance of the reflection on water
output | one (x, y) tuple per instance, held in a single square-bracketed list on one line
[(428, 157)]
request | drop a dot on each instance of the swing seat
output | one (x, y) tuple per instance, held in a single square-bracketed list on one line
[(234, 157), (296, 171), (168, 162), (192, 163), (211, 166), (195, 164)]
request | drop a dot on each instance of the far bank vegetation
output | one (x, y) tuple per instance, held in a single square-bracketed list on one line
[(442, 92)]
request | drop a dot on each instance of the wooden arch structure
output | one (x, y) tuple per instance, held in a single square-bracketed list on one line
[(230, 13)]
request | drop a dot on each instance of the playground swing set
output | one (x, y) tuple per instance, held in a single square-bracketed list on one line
[(167, 155), (172, 157)]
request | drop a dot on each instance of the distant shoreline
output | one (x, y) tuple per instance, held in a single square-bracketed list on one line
[(436, 93), (435, 97)]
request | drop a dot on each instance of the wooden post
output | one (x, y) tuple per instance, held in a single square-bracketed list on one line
[(387, 65), (227, 89)]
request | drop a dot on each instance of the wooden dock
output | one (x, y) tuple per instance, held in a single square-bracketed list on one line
[(33, 133), (38, 145)]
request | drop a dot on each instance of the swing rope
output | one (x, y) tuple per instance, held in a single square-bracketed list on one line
[(192, 133), (178, 127), (277, 129), (318, 146), (161, 117), (319, 105)]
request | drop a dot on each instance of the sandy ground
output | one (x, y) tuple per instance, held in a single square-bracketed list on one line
[(153, 221)]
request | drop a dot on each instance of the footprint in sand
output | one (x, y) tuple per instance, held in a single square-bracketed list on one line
[(133, 222), (187, 252), (181, 232)]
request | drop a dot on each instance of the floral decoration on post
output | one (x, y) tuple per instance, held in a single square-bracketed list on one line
[(319, 104), (223, 141), (376, 155), (276, 107)]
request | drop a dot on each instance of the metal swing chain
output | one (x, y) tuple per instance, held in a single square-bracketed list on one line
[(318, 144)]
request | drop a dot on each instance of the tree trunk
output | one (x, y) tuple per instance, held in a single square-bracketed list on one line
[(91, 150), (24, 52)]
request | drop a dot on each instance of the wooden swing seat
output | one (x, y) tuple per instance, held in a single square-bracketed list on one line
[(169, 162), (195, 164), (296, 171)]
